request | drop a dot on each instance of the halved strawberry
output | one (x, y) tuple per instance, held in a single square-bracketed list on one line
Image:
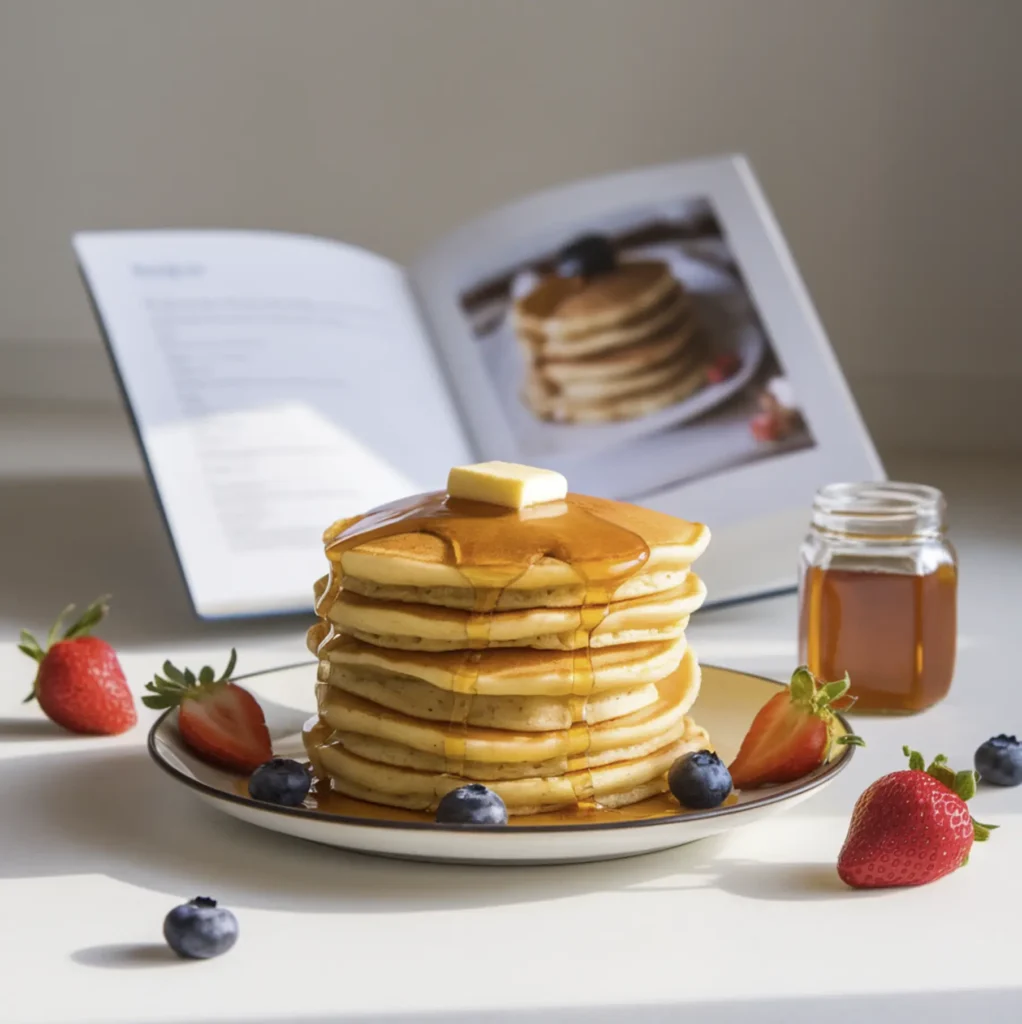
[(792, 733), (219, 720)]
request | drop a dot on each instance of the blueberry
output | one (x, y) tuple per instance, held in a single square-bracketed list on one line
[(587, 256), (999, 761), (280, 781), (471, 805), (699, 780), (199, 929)]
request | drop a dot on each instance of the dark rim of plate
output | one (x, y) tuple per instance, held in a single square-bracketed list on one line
[(812, 781)]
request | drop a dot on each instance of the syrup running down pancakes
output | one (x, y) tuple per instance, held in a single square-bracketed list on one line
[(539, 651)]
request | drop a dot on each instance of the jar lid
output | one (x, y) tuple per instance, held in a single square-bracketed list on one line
[(879, 509)]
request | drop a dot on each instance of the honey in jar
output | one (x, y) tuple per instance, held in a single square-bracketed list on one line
[(878, 594)]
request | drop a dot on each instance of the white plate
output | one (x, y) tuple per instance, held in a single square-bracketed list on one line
[(727, 704), (726, 316)]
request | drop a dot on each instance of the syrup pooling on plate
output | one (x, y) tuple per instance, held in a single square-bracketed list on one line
[(492, 547), (325, 800)]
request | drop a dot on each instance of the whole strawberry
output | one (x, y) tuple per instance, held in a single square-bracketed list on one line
[(79, 683), (911, 827)]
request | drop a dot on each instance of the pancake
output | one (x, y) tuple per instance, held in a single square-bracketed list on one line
[(586, 391), (431, 628), (395, 754), (341, 711), (571, 307), (510, 598), (611, 785), (673, 314), (415, 559), (662, 349), (562, 409), (520, 671), (521, 712)]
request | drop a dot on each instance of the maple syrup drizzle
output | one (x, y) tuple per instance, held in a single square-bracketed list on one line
[(493, 547)]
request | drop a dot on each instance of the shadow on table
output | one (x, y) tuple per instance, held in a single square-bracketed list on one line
[(111, 812), (126, 955)]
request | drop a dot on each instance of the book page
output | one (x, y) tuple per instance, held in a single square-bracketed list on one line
[(277, 384), (648, 335)]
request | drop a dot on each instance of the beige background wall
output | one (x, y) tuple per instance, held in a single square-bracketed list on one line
[(886, 133)]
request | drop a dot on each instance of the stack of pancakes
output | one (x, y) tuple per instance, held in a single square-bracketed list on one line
[(615, 346), (539, 651)]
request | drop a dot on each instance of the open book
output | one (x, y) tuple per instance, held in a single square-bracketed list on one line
[(646, 334)]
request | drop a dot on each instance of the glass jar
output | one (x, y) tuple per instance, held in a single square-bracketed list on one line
[(878, 586)]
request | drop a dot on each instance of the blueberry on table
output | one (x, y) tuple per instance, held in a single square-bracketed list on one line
[(471, 805), (280, 781), (699, 780), (999, 761), (199, 929), (587, 256)]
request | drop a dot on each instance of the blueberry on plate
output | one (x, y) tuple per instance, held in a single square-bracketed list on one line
[(699, 780), (587, 256), (280, 781), (471, 805), (199, 929), (999, 761)]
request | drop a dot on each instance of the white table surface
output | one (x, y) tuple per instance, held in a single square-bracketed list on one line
[(96, 845)]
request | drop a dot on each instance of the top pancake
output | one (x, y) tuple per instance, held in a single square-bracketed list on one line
[(566, 307), (540, 556)]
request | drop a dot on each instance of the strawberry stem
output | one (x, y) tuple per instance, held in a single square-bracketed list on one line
[(83, 626), (818, 699), (176, 685)]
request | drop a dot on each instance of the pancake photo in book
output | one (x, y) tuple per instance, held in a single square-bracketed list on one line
[(638, 325)]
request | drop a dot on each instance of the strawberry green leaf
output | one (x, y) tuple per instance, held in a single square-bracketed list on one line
[(31, 648), (802, 686), (231, 662), (965, 784), (172, 672), (850, 740), (916, 761), (831, 692), (89, 619), (942, 774), (981, 832), (58, 625), (177, 685), (157, 701)]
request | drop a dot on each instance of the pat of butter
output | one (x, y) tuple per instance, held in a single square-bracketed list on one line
[(505, 483)]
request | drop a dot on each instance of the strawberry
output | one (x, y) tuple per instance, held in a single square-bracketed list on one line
[(219, 720), (911, 827), (79, 682), (792, 733), (726, 365), (765, 427)]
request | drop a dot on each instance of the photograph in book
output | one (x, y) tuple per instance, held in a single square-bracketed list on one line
[(634, 338)]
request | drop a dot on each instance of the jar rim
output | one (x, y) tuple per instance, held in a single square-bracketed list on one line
[(881, 508)]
